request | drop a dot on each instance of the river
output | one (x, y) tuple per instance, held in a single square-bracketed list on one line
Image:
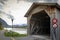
[(18, 30)]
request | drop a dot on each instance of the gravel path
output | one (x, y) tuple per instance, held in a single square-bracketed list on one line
[(2, 37), (33, 37)]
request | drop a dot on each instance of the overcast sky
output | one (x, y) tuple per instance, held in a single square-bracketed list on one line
[(17, 9)]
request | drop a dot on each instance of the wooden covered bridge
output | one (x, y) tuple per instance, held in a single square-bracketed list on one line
[(44, 19)]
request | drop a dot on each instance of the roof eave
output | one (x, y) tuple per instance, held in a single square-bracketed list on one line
[(54, 4)]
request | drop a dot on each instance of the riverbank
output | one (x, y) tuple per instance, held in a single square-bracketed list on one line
[(18, 30)]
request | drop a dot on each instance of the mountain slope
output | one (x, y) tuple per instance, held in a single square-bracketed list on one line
[(4, 24)]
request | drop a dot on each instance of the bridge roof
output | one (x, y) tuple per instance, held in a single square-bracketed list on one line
[(36, 4)]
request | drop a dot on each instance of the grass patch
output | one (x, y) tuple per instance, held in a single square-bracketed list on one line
[(13, 34)]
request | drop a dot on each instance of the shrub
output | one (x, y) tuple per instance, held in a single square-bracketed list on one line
[(13, 34)]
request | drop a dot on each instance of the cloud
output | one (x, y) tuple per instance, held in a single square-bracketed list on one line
[(38, 0), (2, 1), (8, 15), (58, 2)]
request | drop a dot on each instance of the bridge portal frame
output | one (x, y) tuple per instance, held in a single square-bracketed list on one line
[(52, 9)]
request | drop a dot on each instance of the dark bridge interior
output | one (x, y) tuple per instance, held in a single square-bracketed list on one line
[(40, 24)]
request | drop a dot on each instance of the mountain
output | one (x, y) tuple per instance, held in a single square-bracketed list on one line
[(23, 25), (18, 26), (4, 24)]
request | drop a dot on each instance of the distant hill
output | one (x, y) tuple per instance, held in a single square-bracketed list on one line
[(4, 24), (18, 26), (23, 25)]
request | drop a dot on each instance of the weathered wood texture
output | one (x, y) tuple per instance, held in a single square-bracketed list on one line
[(52, 11)]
